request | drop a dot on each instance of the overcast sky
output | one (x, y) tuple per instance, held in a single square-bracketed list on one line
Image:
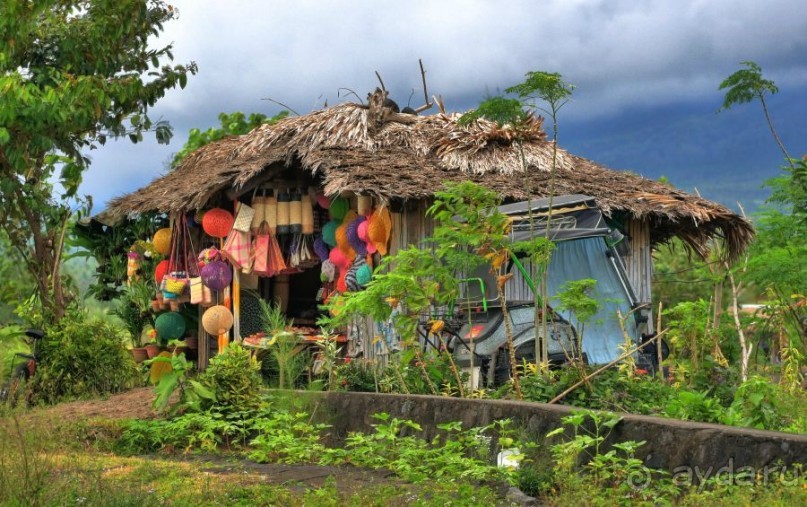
[(622, 55)]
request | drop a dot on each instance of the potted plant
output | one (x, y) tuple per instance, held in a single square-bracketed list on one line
[(134, 311)]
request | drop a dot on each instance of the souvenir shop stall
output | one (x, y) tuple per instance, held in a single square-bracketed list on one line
[(284, 242)]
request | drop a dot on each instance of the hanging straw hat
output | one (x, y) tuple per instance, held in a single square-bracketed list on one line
[(363, 275), (328, 271), (379, 229), (342, 243), (361, 230), (338, 208), (323, 201), (339, 259), (329, 233), (321, 249), (353, 236)]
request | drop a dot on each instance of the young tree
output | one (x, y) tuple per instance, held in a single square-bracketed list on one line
[(747, 85), (72, 74), (550, 88)]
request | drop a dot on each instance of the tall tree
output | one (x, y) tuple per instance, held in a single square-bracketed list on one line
[(72, 74)]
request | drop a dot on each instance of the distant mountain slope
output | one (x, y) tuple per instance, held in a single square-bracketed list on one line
[(726, 156)]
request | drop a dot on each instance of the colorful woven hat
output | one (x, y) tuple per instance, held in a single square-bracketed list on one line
[(361, 230), (338, 208), (364, 274), (328, 271), (380, 228), (216, 274), (353, 236), (341, 286), (323, 201), (339, 259), (343, 244), (321, 249), (329, 233)]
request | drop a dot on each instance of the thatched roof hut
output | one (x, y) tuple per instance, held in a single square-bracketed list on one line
[(348, 147)]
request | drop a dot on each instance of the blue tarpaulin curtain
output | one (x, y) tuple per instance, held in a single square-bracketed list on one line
[(586, 258)]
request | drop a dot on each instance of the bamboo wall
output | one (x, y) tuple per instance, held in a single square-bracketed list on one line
[(638, 261)]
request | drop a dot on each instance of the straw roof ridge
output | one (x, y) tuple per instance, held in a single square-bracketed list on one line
[(410, 159)]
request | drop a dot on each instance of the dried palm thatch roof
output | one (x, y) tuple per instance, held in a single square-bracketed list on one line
[(350, 148)]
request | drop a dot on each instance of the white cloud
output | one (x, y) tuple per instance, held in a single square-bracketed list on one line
[(619, 53)]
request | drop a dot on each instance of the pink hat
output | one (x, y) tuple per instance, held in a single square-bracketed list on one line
[(338, 258), (362, 232)]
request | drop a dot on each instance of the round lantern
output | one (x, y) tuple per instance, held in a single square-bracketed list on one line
[(216, 274), (169, 326), (162, 241), (218, 222), (160, 271), (217, 320)]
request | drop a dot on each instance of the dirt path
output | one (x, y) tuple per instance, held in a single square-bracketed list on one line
[(135, 404)]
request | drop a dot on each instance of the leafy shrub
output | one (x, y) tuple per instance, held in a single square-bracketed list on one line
[(611, 390), (235, 377), (356, 375), (81, 357), (695, 406), (756, 404)]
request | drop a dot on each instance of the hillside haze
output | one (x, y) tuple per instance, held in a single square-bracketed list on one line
[(726, 156)]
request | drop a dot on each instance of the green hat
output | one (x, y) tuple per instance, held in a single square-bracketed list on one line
[(339, 207), (363, 275)]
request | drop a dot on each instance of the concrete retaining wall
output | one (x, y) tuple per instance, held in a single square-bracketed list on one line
[(671, 444)]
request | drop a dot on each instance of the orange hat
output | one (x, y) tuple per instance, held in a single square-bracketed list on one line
[(379, 229), (342, 242)]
